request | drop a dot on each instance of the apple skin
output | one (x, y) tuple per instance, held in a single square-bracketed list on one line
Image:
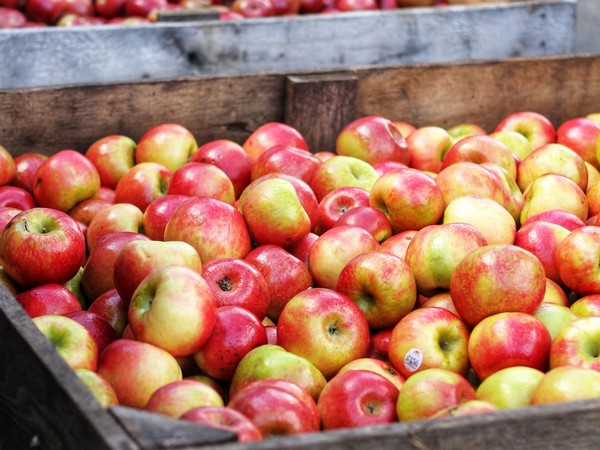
[(174, 309), (470, 407), (574, 344), (301, 250), (465, 130), (16, 197), (11, 17), (554, 316), (157, 214), (325, 327), (112, 308), (215, 182), (46, 299), (230, 157), (542, 239), (587, 306), (44, 11), (552, 158), (109, 8), (337, 202), (340, 170), (435, 251), (269, 134), (214, 228), (409, 198), (286, 159), (576, 259), (508, 339), (428, 147), (431, 391), (143, 183), (377, 366), (491, 219), (563, 218), (567, 383), (6, 214), (112, 156), (357, 398), (168, 144), (136, 369), (516, 142), (581, 135), (277, 408), (85, 210), (398, 243), (513, 197), (379, 344), (64, 179), (26, 164), (429, 338), (253, 8), (98, 386), (224, 418), (235, 333), (536, 127), (555, 294), (138, 257), (332, 250), (372, 139), (118, 217), (511, 387), (497, 278), (382, 286), (285, 275), (356, 5), (40, 246), (178, 397), (236, 282), (274, 362), (98, 271), (369, 218), (101, 331), (71, 340)]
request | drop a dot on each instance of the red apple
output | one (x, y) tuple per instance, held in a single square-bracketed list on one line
[(143, 183), (563, 218), (575, 344), (398, 243), (224, 418), (369, 218), (215, 182), (286, 159), (12, 18), (301, 250), (336, 203), (176, 398), (270, 133), (339, 171), (111, 307), (120, 217), (16, 197), (537, 128), (576, 259), (85, 210), (101, 331), (158, 213), (48, 298), (428, 147), (26, 164), (581, 135), (109, 9), (112, 155), (143, 9)]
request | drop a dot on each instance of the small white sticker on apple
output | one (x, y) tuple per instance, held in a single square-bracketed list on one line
[(413, 359)]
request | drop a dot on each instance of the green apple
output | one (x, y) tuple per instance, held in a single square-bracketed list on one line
[(511, 387)]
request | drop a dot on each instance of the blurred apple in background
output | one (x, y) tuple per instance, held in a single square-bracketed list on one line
[(536, 127)]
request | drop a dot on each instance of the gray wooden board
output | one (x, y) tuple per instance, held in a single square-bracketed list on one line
[(117, 53)]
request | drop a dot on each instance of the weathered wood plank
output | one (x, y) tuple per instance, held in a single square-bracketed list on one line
[(78, 55)]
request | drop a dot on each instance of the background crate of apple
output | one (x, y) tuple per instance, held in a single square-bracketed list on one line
[(56, 56), (42, 402)]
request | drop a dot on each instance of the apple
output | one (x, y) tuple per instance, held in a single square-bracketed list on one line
[(111, 307), (384, 167), (44, 11), (215, 182), (508, 339), (16, 197), (563, 218), (398, 243), (411, 3), (214, 228), (511, 387), (356, 5), (406, 128), (567, 383), (536, 127), (576, 259), (497, 278), (109, 9), (493, 221), (40, 246), (107, 194), (85, 210), (381, 284), (271, 133), (285, 275), (593, 175), (332, 250), (592, 195), (64, 179), (409, 198), (6, 214), (575, 344), (587, 306), (371, 138), (581, 135), (430, 391), (554, 316), (464, 130), (101, 331), (427, 338), (428, 147), (136, 369), (379, 344), (177, 397), (277, 408), (435, 251), (301, 250), (71, 340), (8, 166), (112, 155), (224, 418), (235, 333), (337, 202), (236, 282), (325, 327), (98, 386), (357, 398), (467, 408), (555, 294), (26, 164), (157, 214), (312, 6), (120, 217), (341, 170), (253, 8), (516, 142), (377, 366), (513, 197), (11, 18), (281, 158), (138, 257), (369, 218), (50, 298), (441, 299), (274, 362), (143, 183), (230, 157)]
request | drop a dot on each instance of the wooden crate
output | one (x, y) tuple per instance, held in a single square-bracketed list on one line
[(43, 405), (78, 55)]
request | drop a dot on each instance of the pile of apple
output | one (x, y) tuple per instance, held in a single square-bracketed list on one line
[(412, 273)]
